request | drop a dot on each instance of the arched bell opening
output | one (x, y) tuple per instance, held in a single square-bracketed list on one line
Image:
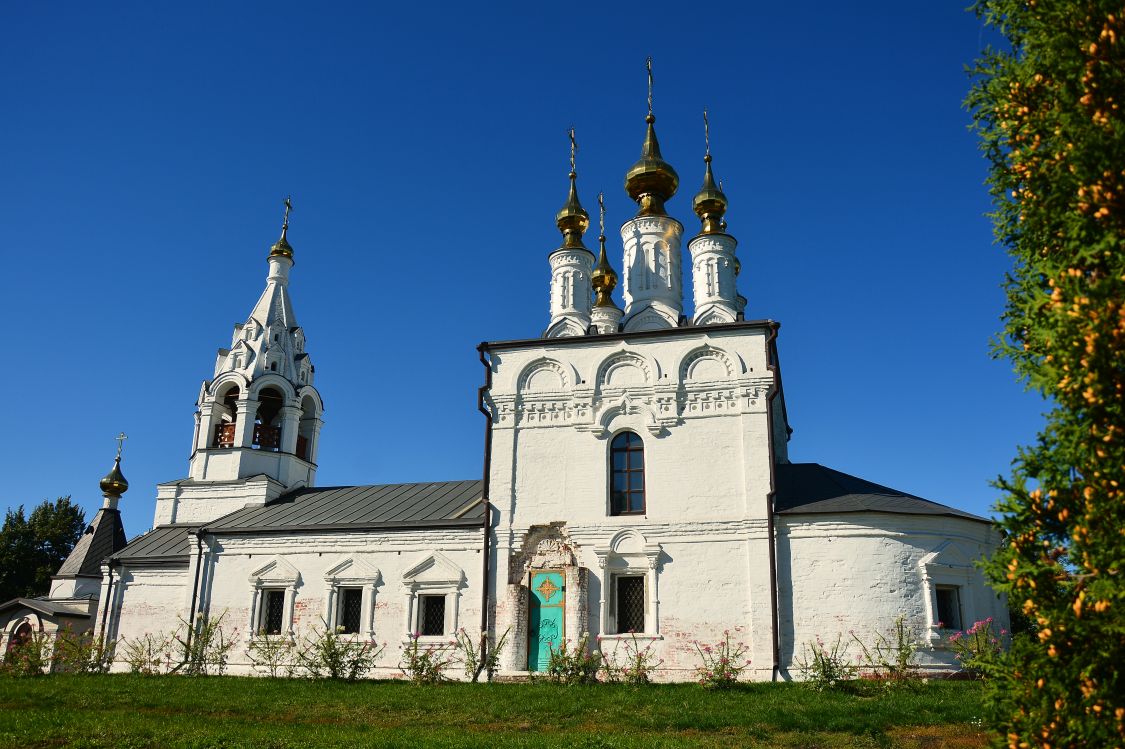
[(307, 429), (225, 416), (267, 422)]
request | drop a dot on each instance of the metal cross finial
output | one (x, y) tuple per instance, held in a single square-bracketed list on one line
[(120, 443), (601, 213), (288, 208), (573, 147), (706, 132), (648, 67)]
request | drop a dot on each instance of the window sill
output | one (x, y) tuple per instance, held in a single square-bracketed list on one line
[(630, 636), (430, 640)]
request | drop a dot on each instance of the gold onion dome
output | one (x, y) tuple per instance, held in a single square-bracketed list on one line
[(710, 203), (572, 218), (281, 247), (604, 278), (651, 180), (114, 483)]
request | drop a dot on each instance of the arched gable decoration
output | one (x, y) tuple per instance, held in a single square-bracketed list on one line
[(433, 569), (276, 576), (630, 554), (706, 363), (435, 576), (277, 572), (625, 369), (545, 375), (272, 379), (626, 406), (351, 573)]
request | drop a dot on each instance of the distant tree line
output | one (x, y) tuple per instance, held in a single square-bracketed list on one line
[(33, 547)]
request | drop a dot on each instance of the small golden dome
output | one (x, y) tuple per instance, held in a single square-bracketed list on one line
[(572, 218), (114, 483), (651, 180), (710, 203), (604, 277)]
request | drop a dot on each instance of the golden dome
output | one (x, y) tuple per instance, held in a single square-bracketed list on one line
[(281, 246), (710, 203), (604, 278), (114, 483), (651, 180), (572, 218)]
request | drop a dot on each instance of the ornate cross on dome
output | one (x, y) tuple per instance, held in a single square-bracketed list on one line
[(706, 134), (120, 442), (288, 207), (601, 214), (573, 147)]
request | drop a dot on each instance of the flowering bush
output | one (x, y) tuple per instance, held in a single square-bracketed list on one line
[(892, 657), (272, 656), (28, 658), (574, 664), (628, 662), (203, 646), (471, 655), (425, 663), (148, 654), (825, 666), (81, 653), (979, 647), (722, 663), (332, 654)]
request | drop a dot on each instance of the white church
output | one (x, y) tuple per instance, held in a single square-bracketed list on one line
[(636, 483)]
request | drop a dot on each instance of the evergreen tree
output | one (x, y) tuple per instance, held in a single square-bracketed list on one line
[(1050, 111), (33, 548)]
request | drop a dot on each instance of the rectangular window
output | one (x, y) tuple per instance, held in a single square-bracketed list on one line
[(630, 604), (949, 606), (431, 615), (351, 607), (273, 608)]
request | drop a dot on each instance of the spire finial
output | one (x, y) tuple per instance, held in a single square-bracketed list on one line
[(709, 203), (281, 247), (648, 69), (572, 218), (113, 484), (604, 278)]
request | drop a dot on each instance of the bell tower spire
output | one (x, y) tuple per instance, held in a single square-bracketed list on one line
[(571, 264), (259, 416), (714, 266), (653, 283)]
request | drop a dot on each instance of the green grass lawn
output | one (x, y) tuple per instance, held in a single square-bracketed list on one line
[(124, 712)]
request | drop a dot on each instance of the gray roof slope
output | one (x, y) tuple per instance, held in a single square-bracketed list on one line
[(162, 543), (443, 503), (813, 488), (104, 535), (44, 606)]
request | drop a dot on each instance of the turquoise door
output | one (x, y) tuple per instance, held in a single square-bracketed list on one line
[(546, 631)]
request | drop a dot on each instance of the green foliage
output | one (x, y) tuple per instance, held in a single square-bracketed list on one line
[(202, 646), (81, 653), (329, 653), (148, 654), (825, 667), (980, 648), (472, 659), (1048, 110), (891, 657), (629, 662), (31, 657), (272, 655), (33, 548), (573, 663), (426, 662), (722, 663)]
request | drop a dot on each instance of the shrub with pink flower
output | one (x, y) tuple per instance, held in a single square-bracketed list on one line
[(629, 662), (721, 663), (979, 647)]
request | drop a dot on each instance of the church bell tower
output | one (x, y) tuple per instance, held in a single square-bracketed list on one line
[(257, 427)]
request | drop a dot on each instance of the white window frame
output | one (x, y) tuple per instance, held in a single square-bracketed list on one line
[(434, 574), (352, 573), (278, 574), (629, 554), (946, 566)]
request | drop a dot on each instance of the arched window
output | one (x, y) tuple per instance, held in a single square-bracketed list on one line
[(627, 480)]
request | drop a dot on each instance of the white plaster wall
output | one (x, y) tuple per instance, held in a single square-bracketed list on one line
[(201, 502), (860, 572), (146, 601)]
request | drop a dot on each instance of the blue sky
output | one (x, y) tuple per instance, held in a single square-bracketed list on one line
[(146, 149)]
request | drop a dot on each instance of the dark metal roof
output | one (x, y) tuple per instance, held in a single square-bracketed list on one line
[(444, 503), (164, 543), (812, 488), (103, 536), (51, 608)]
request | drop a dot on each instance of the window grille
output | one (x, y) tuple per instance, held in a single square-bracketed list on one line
[(630, 604), (351, 606), (949, 606), (273, 607), (431, 616), (627, 464)]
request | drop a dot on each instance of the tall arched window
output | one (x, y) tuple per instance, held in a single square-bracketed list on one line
[(627, 481)]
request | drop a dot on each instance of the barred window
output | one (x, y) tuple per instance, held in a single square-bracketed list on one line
[(627, 468), (351, 607), (431, 615), (273, 608), (630, 604)]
